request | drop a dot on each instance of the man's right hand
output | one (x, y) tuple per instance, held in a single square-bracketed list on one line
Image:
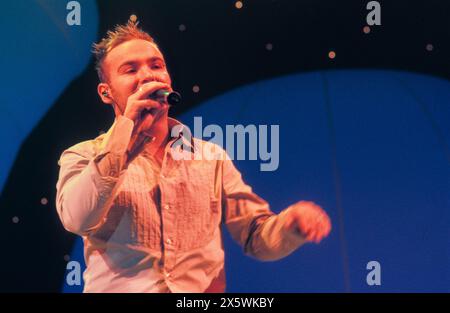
[(136, 103), (139, 100)]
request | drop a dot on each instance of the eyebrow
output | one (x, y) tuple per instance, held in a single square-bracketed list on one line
[(134, 62)]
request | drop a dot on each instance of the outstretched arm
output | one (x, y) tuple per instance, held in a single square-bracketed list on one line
[(263, 234)]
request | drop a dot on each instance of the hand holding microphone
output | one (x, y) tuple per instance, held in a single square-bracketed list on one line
[(150, 97), (144, 107)]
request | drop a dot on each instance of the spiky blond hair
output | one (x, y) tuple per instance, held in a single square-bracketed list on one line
[(119, 35)]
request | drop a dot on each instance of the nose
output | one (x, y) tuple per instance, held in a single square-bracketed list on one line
[(147, 75)]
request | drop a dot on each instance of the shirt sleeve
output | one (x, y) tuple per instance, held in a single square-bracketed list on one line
[(250, 221), (84, 196)]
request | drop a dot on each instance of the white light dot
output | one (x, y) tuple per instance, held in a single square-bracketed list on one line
[(196, 89), (15, 220), (66, 257), (182, 27), (44, 201), (269, 47), (366, 29), (331, 54), (429, 47)]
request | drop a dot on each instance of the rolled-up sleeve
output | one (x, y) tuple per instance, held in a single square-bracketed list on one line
[(83, 195), (250, 221)]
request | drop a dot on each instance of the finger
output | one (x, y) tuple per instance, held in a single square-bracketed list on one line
[(325, 224), (304, 227), (311, 235), (146, 104), (137, 107), (315, 229), (322, 218), (305, 234), (321, 231), (312, 205), (312, 221), (319, 211), (308, 230), (319, 235), (325, 228), (140, 107), (288, 223), (317, 238), (147, 89)]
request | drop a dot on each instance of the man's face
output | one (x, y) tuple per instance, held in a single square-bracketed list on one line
[(130, 65)]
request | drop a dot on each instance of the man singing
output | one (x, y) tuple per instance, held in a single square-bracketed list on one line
[(150, 221)]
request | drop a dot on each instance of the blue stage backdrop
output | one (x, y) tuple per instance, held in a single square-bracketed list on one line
[(371, 148), (41, 55)]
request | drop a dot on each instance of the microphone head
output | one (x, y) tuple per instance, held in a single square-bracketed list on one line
[(173, 98)]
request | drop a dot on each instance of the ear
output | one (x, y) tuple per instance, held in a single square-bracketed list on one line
[(104, 92)]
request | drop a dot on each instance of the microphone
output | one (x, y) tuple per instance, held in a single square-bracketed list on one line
[(172, 98)]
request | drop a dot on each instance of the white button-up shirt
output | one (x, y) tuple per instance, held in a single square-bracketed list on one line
[(131, 245)]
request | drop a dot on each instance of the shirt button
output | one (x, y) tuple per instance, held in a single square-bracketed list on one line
[(168, 241), (168, 275), (162, 176), (167, 207)]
